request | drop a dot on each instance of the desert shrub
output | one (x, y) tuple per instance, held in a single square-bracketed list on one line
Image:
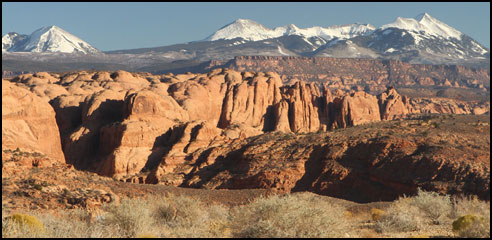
[(295, 215), (70, 224), (436, 207), (182, 216), (463, 207), (428, 209), (27, 221), (377, 214), (132, 217), (400, 217), (471, 226), (469, 205), (415, 213), (22, 225)]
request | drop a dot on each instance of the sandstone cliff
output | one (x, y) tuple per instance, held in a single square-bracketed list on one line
[(120, 124), (28, 123)]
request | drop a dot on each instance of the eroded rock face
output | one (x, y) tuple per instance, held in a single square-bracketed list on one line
[(303, 107), (251, 101), (28, 123), (354, 109), (391, 105), (445, 105), (360, 167), (120, 123)]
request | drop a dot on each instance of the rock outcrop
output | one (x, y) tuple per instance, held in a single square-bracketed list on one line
[(354, 109), (28, 123), (360, 165), (392, 105), (125, 125)]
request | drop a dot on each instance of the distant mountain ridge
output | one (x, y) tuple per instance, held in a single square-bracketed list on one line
[(253, 31), (46, 39), (419, 40)]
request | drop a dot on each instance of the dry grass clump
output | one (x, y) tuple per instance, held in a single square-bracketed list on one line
[(156, 217), (22, 225), (71, 223), (472, 218), (377, 214), (400, 217), (131, 217), (293, 215), (78, 223), (429, 211), (435, 207), (181, 216), (416, 213)]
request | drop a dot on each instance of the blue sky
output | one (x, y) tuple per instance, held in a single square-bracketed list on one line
[(112, 26)]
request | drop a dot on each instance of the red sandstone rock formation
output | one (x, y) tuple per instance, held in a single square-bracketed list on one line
[(120, 123), (374, 74), (206, 130), (28, 123), (391, 105), (354, 109)]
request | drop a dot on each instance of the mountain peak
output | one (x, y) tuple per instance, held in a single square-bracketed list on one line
[(241, 28), (425, 23), (253, 31), (421, 16), (243, 20), (244, 23), (52, 39)]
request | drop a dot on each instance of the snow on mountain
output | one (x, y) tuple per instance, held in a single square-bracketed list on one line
[(10, 39), (425, 23), (253, 31), (244, 28), (337, 31), (51, 39)]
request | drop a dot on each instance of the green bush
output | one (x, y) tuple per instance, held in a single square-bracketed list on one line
[(471, 226)]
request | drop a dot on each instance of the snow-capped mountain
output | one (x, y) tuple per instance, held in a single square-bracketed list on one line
[(422, 39), (424, 23), (252, 31), (46, 39), (10, 39)]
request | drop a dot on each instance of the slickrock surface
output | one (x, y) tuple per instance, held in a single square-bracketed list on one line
[(208, 130)]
